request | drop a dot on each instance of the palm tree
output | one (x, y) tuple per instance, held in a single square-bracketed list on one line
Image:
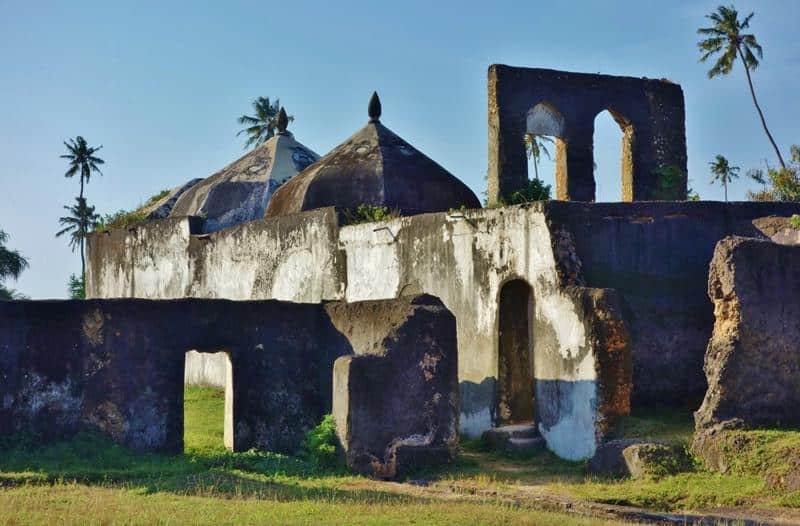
[(82, 159), (80, 221), (12, 263), (536, 146), (726, 37), (262, 125), (723, 172)]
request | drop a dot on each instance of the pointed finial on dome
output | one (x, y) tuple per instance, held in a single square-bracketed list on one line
[(374, 107), (283, 121)]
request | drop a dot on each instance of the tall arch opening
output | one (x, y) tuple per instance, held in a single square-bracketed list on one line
[(545, 148), (612, 152), (515, 383), (208, 401)]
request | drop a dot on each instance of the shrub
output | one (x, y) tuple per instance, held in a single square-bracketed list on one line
[(120, 219), (321, 446), (369, 214), (157, 197), (535, 190), (76, 287), (794, 221)]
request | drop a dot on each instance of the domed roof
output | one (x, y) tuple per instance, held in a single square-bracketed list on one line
[(240, 191), (373, 167)]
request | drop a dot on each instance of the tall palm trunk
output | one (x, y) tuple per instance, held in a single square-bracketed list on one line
[(758, 108), (725, 186), (83, 263), (536, 166)]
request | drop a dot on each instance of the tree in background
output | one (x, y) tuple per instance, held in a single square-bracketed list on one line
[(723, 172), (262, 125), (778, 184), (81, 220), (536, 146), (82, 160), (12, 263), (725, 37)]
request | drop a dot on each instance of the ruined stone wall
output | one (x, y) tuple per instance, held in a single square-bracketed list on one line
[(650, 113), (462, 258), (753, 358), (396, 398), (117, 366), (656, 256)]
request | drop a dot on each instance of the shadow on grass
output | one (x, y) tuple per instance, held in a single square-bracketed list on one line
[(92, 459)]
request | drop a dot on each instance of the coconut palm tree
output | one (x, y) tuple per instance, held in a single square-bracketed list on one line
[(725, 37), (723, 172), (262, 125), (536, 146), (12, 263), (82, 160), (80, 221)]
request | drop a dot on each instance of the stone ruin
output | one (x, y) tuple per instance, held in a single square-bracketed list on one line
[(554, 317)]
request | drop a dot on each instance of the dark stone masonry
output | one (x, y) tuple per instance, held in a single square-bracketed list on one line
[(117, 366)]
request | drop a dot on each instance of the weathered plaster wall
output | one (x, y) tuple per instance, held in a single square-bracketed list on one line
[(464, 259), (292, 258), (656, 256)]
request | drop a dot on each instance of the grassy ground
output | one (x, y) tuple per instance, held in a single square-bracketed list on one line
[(91, 480)]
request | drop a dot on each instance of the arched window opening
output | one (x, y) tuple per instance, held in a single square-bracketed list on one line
[(515, 383), (545, 148), (208, 401), (613, 157)]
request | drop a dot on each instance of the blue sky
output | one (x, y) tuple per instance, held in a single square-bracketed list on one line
[(160, 84)]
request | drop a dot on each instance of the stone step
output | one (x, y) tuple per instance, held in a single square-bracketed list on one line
[(526, 445), (499, 437)]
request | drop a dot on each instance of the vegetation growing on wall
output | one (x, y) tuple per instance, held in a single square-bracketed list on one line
[(120, 219), (369, 214)]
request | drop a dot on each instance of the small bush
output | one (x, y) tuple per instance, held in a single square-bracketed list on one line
[(157, 197), (370, 214), (120, 219), (794, 221), (76, 287), (534, 191), (321, 446)]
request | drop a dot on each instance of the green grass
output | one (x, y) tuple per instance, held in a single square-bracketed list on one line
[(665, 425), (203, 413), (90, 479)]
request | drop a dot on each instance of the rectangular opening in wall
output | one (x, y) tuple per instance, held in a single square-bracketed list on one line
[(208, 402)]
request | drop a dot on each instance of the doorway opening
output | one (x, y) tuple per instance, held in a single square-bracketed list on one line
[(515, 392), (546, 149), (612, 152), (208, 402)]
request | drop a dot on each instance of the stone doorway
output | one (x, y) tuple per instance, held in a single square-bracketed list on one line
[(515, 386), (211, 371)]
